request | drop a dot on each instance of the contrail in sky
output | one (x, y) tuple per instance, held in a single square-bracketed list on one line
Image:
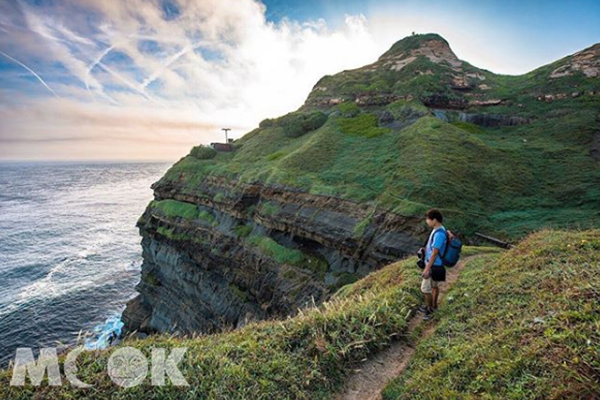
[(30, 70)]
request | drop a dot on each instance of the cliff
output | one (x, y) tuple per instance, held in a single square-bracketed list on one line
[(318, 198)]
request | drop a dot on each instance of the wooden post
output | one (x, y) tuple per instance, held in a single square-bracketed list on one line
[(494, 240), (226, 130)]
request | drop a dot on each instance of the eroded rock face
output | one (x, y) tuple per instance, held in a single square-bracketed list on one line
[(587, 61), (595, 150), (203, 277), (485, 119)]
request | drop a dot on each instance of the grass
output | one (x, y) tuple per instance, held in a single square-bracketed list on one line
[(520, 324), (364, 125), (304, 357), (286, 255), (173, 208)]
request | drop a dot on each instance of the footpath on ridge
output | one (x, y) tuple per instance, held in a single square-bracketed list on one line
[(367, 382)]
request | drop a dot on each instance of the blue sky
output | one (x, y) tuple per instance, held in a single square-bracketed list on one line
[(148, 79)]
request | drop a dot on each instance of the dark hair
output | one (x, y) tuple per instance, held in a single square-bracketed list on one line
[(434, 214)]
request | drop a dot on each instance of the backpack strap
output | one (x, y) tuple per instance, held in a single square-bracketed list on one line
[(442, 254)]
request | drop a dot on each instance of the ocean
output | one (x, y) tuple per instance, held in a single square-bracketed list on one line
[(70, 253)]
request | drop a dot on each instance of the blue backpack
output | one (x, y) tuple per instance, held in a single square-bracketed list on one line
[(452, 251)]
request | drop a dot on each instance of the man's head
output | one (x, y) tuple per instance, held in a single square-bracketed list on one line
[(433, 217)]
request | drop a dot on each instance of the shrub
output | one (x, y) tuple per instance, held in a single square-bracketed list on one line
[(265, 123), (203, 152), (297, 124)]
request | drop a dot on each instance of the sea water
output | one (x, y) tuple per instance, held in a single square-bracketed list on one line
[(70, 253)]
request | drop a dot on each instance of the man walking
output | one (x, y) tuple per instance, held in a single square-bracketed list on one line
[(434, 272)]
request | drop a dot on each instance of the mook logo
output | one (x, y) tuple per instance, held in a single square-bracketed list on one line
[(127, 367)]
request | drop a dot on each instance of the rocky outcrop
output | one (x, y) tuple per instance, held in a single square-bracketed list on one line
[(484, 119), (485, 103), (443, 100), (586, 61), (435, 49), (203, 275)]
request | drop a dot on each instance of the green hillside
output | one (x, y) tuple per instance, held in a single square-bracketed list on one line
[(552, 275), (371, 135), (521, 325), (506, 180)]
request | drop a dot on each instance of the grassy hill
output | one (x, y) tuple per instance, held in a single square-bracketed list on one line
[(521, 323), (506, 155)]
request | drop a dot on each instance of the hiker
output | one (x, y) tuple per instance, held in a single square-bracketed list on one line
[(434, 272)]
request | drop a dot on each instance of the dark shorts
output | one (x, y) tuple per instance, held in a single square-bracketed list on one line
[(438, 273)]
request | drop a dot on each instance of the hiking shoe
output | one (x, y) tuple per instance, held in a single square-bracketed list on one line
[(422, 309), (427, 316)]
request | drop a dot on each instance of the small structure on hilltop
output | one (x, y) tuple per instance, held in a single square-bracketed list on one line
[(227, 146), (222, 146)]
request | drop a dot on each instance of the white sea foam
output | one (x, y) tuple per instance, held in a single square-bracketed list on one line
[(106, 333)]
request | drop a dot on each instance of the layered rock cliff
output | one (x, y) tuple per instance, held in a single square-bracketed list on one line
[(252, 251), (320, 197)]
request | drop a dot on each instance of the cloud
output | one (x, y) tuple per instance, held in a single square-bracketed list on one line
[(211, 63)]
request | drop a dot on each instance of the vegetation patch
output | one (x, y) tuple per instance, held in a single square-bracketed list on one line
[(286, 255), (151, 279), (348, 109), (269, 209), (364, 125), (404, 110), (207, 216), (171, 234), (280, 253), (173, 208), (361, 227), (242, 231)]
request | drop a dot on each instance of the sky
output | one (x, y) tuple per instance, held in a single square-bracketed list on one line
[(149, 79)]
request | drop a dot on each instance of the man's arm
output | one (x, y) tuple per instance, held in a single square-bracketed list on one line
[(427, 270)]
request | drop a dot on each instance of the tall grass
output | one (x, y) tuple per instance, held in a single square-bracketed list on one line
[(520, 325)]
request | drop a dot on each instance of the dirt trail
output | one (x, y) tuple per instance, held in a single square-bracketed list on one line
[(367, 382)]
